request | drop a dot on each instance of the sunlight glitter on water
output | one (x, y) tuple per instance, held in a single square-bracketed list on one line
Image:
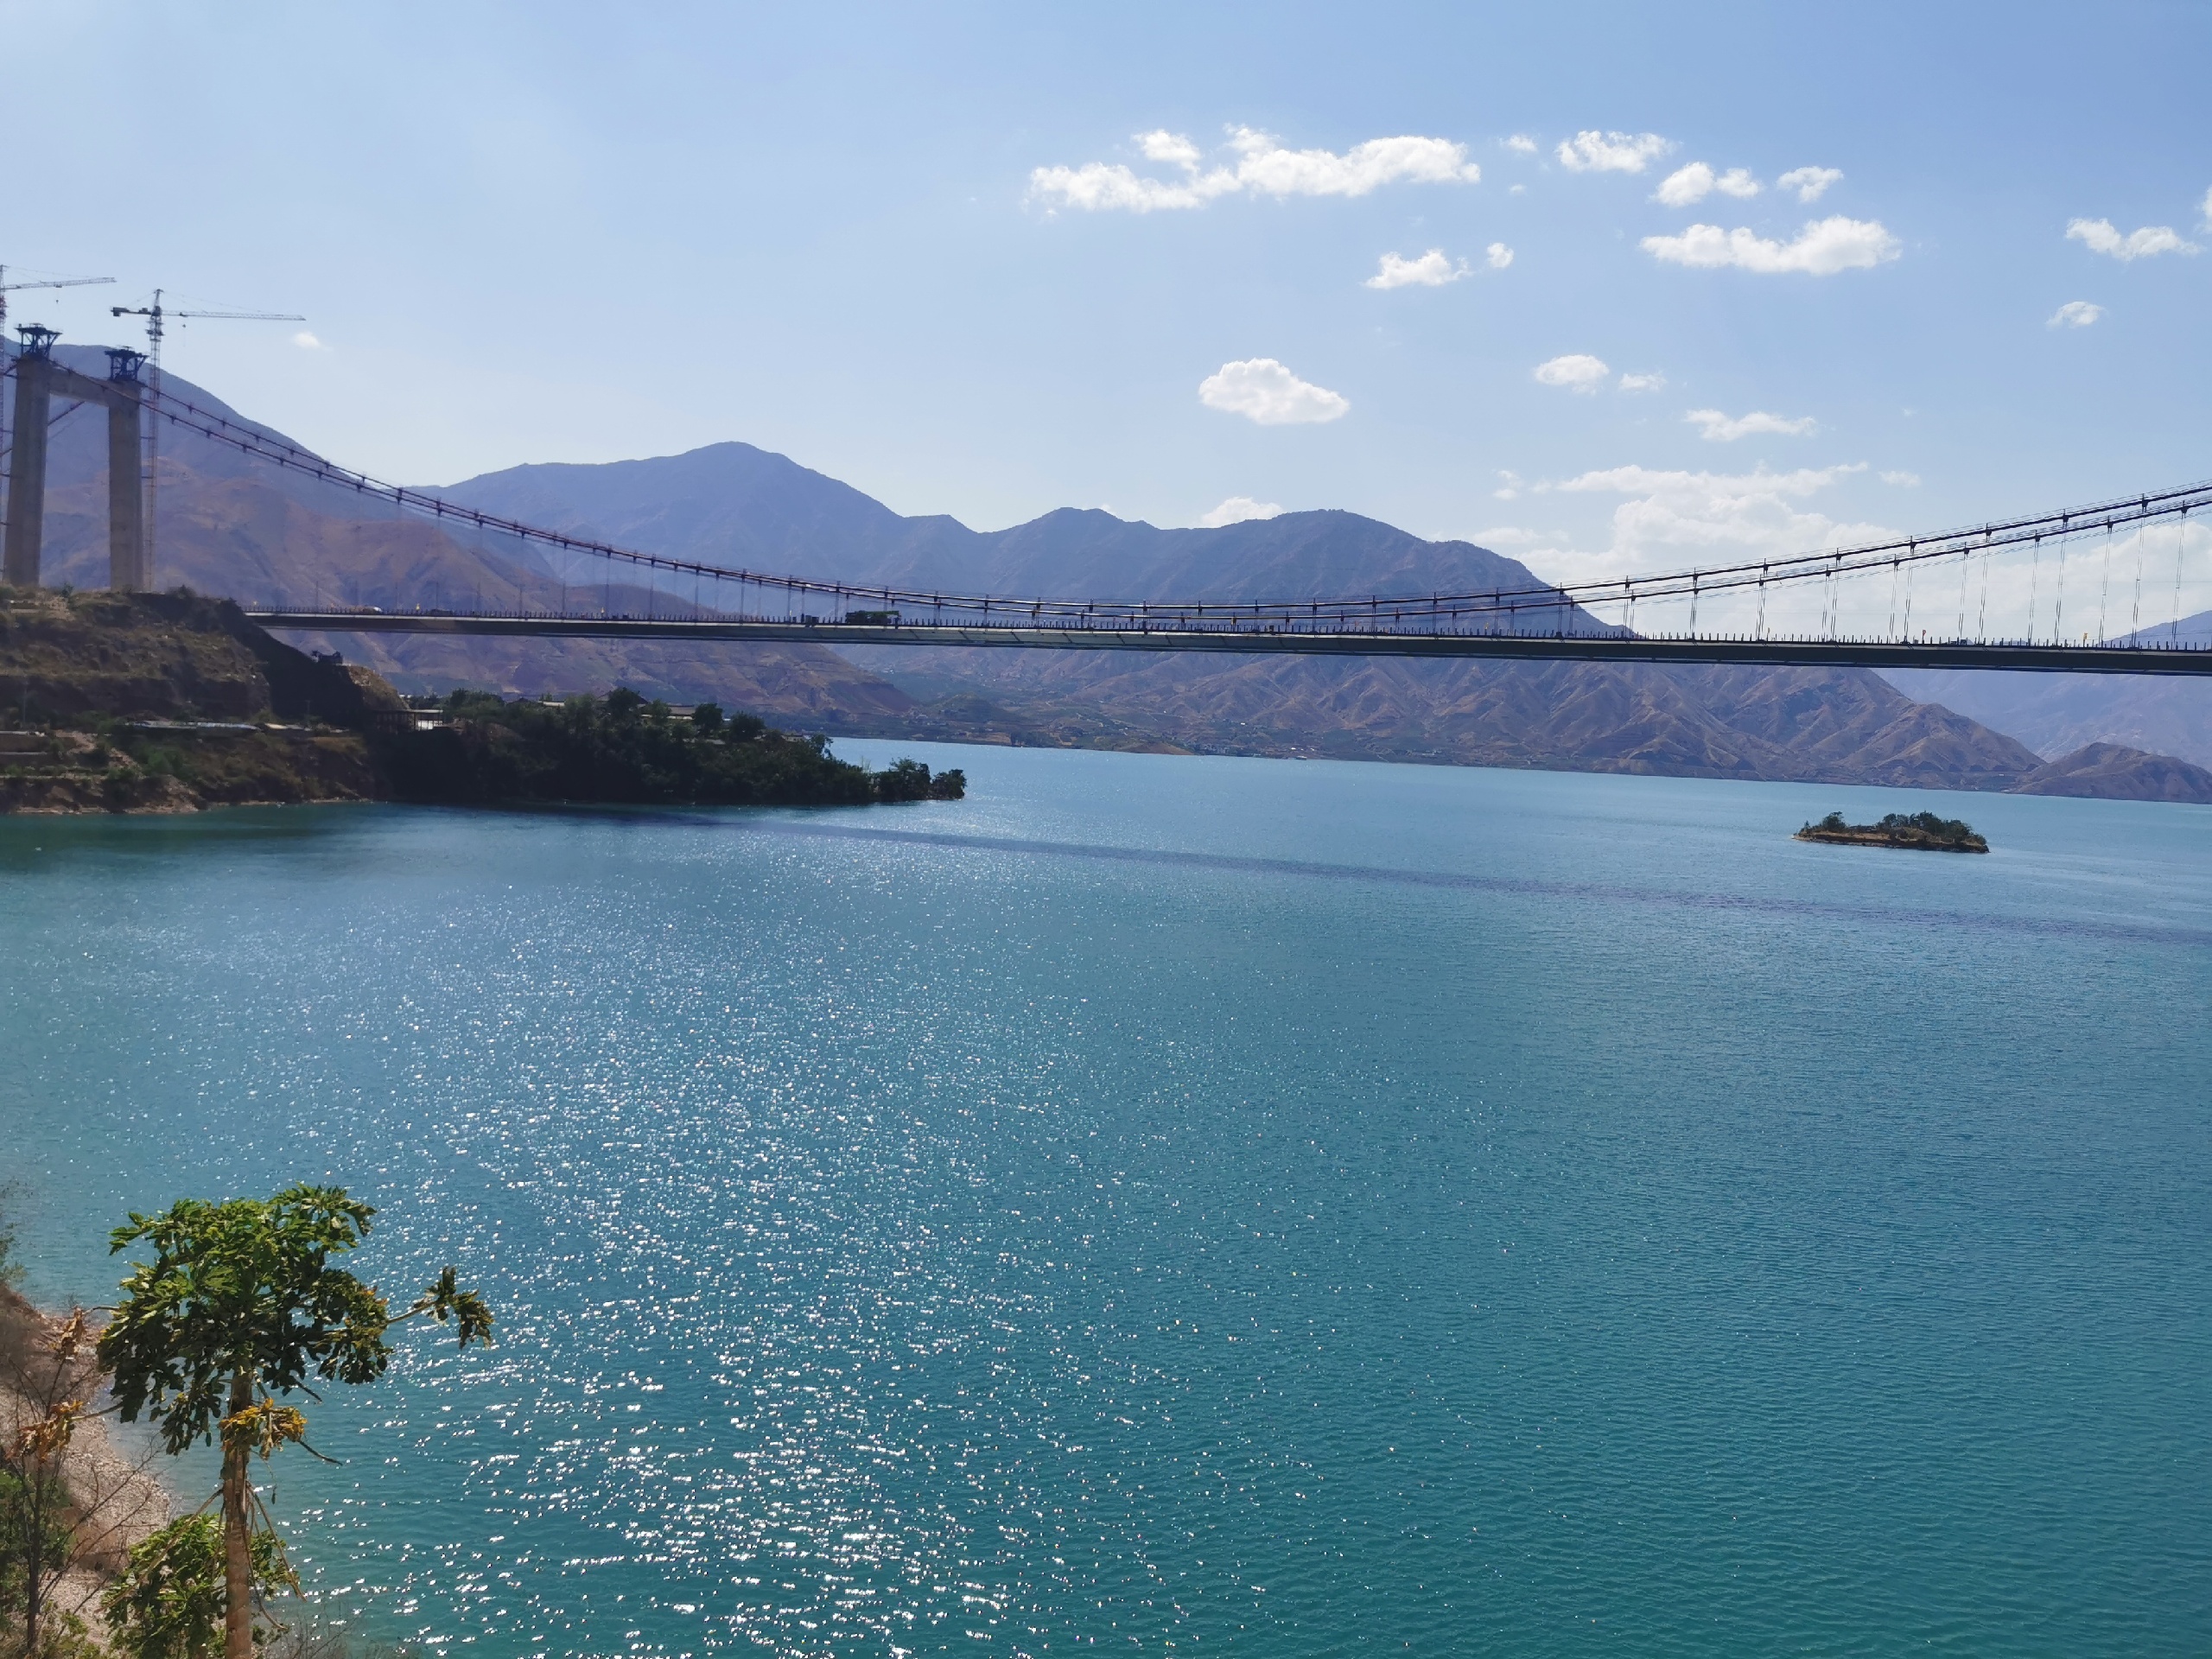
[(1099, 1214)]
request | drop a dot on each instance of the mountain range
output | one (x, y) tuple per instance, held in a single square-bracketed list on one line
[(233, 525), (2056, 713)]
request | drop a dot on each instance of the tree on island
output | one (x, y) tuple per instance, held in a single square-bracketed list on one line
[(240, 1307)]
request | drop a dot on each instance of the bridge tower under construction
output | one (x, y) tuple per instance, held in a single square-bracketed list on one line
[(38, 378)]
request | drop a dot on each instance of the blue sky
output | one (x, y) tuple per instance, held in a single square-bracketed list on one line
[(553, 232)]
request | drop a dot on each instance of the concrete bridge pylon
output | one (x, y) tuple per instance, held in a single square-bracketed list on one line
[(38, 379)]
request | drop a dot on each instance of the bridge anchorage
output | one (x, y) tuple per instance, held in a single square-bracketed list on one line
[(1998, 596)]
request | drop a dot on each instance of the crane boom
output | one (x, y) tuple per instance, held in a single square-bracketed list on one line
[(57, 282), (7, 288)]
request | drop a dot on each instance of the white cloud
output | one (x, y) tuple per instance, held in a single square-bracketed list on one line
[(1498, 256), (1264, 391), (1696, 182), (1099, 187), (1264, 166), (2076, 314), (1432, 270), (1508, 485), (1685, 184), (1165, 146), (1716, 427), (1522, 145), (1237, 510), (1652, 382), (307, 342), (1612, 152), (1822, 248), (1577, 371), (2101, 236), (1261, 166), (2204, 210), (1902, 481), (1678, 516), (1499, 536), (1810, 183)]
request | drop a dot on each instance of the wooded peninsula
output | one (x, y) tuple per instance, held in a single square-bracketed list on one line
[(170, 702)]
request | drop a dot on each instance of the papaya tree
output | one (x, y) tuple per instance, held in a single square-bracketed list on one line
[(240, 1309)]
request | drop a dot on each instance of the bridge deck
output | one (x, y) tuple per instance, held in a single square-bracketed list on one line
[(2073, 659)]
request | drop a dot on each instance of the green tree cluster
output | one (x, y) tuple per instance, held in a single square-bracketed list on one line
[(1927, 823), (1913, 827), (623, 749)]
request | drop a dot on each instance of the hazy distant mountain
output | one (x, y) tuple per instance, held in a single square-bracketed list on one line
[(2112, 772), (2056, 713), (735, 503)]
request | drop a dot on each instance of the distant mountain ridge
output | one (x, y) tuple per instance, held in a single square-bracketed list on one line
[(2056, 713), (731, 504), (229, 525)]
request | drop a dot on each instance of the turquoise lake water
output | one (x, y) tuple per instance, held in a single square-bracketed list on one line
[(1272, 1208)]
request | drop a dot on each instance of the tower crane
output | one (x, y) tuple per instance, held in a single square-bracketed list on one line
[(154, 317), (7, 288)]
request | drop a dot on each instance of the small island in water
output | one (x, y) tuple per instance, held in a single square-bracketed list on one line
[(1923, 830)]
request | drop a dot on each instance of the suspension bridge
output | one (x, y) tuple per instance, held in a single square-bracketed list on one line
[(1989, 596)]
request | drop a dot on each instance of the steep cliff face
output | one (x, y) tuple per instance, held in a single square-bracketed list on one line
[(118, 654), (184, 697), (163, 656)]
